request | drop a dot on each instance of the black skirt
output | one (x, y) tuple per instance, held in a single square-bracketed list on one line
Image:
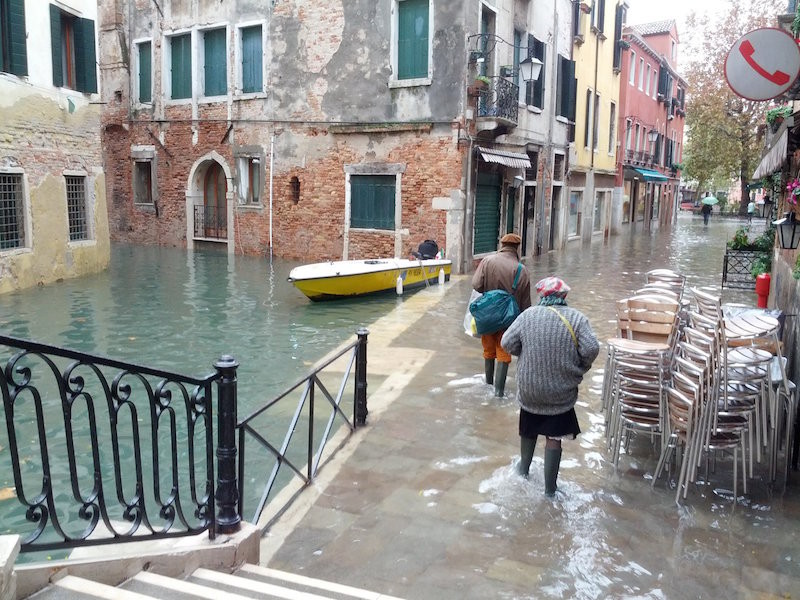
[(554, 426)]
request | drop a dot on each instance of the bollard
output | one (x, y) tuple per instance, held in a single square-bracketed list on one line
[(227, 492), (360, 400), (762, 289)]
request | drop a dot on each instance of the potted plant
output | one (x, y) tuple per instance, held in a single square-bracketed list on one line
[(624, 44), (481, 83), (586, 7), (776, 114)]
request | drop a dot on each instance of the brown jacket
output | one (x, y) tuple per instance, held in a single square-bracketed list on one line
[(496, 272)]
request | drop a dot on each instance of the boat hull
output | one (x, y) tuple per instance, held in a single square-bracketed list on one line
[(349, 278)]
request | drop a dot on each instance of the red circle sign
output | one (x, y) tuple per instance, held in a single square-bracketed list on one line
[(762, 64)]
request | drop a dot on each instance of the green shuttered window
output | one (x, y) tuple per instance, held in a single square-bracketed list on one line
[(216, 69), (372, 201), (145, 71), (73, 52), (535, 89), (412, 39), (13, 51), (252, 72), (181, 66)]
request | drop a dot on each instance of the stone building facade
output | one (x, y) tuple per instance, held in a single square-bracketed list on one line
[(53, 219)]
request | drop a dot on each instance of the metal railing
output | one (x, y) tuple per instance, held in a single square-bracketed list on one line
[(737, 269), (499, 100), (210, 222), (313, 449), (104, 451)]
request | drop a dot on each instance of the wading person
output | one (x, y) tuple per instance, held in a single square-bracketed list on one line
[(497, 272), (556, 347)]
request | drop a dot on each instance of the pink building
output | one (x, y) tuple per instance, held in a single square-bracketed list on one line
[(652, 109)]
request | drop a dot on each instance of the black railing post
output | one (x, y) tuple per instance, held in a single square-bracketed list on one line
[(361, 378), (227, 493)]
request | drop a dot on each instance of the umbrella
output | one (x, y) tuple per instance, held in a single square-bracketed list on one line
[(712, 200)]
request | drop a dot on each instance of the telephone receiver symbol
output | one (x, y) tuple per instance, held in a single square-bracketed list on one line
[(778, 77)]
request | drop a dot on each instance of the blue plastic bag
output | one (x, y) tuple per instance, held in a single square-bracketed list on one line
[(493, 311)]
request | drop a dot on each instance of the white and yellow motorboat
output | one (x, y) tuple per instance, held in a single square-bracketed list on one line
[(347, 278)]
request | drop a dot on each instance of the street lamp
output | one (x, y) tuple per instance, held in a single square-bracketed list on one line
[(652, 135), (529, 68)]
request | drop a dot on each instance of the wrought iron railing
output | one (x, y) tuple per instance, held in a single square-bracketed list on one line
[(104, 451), (737, 269), (317, 434), (499, 100), (210, 222)]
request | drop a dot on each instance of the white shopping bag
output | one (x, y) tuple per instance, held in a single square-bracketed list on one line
[(469, 320)]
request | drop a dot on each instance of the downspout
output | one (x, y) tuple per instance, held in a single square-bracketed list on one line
[(271, 170)]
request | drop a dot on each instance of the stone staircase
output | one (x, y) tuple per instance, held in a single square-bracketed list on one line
[(249, 581)]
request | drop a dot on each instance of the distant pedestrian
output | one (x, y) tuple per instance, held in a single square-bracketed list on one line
[(556, 347), (707, 208), (497, 272), (751, 210)]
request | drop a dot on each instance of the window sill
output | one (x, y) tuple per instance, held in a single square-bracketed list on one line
[(534, 109), (250, 95), (81, 243), (211, 99), (366, 230), (16, 251), (146, 206), (250, 206), (178, 101), (142, 106), (404, 83), (563, 120)]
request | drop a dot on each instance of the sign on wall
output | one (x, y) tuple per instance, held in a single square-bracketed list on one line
[(762, 64)]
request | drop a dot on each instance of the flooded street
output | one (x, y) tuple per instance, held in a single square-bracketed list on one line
[(429, 505)]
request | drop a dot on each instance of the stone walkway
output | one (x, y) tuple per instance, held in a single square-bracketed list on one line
[(423, 503)]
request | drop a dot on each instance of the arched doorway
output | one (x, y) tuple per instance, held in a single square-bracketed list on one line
[(215, 213)]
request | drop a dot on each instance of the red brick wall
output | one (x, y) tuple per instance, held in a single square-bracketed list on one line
[(311, 229)]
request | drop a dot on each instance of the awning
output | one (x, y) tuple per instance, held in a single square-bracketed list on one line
[(515, 160), (650, 175), (774, 159)]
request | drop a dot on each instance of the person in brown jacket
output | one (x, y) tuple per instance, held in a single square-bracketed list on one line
[(497, 272)]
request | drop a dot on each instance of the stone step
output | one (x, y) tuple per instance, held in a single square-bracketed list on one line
[(328, 589), (249, 582)]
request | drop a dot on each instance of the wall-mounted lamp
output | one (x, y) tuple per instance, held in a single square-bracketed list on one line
[(517, 181), (788, 231), (652, 135), (529, 68)]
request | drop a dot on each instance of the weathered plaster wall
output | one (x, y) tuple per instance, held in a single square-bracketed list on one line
[(41, 139)]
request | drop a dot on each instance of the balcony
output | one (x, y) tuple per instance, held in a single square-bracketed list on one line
[(498, 102)]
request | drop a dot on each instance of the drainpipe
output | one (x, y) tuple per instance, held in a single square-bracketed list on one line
[(271, 169)]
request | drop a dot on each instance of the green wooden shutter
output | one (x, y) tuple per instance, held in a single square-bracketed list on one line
[(601, 15), (487, 214), (85, 58), (216, 64), (412, 39), (252, 77), (145, 71), (15, 40), (538, 87), (181, 64), (511, 203), (372, 199), (619, 15), (55, 44)]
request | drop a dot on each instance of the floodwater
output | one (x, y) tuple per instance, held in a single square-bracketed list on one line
[(429, 505)]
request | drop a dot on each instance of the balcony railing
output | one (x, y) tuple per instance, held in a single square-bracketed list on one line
[(499, 100), (210, 222)]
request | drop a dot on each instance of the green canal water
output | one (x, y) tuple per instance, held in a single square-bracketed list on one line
[(177, 311)]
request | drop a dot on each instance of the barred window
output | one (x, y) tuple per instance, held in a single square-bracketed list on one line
[(76, 208), (12, 224)]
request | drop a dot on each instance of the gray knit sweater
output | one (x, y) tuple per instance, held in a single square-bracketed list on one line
[(550, 367)]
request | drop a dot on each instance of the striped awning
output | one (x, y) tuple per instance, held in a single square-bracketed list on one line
[(515, 160), (774, 159)]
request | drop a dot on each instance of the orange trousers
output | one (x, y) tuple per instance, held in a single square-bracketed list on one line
[(492, 348)]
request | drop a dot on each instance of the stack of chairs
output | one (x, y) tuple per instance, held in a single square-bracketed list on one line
[(637, 369), (705, 414)]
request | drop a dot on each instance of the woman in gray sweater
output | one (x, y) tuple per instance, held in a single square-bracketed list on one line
[(556, 347)]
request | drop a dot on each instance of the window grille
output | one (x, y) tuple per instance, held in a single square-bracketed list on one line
[(12, 230), (76, 208)]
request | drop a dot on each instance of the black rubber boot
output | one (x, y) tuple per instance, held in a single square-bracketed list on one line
[(500, 379), (552, 461), (488, 364), (526, 448)]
